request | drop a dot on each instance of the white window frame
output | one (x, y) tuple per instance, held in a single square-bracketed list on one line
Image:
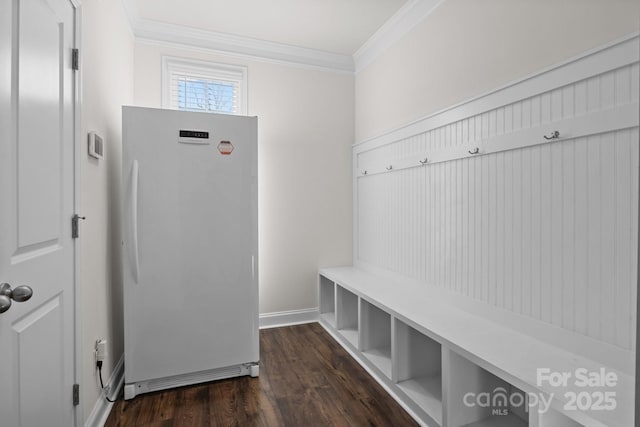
[(205, 69)]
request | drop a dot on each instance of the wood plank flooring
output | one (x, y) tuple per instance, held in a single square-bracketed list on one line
[(306, 379)]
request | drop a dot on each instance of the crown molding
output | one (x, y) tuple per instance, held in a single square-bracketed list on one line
[(174, 35), (131, 12), (221, 42), (403, 21)]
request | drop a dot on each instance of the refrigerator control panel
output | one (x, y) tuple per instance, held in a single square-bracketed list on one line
[(193, 136)]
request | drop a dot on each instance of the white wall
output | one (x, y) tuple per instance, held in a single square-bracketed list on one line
[(305, 132), (107, 69), (465, 48)]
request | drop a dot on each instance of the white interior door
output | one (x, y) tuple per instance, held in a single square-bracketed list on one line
[(36, 205)]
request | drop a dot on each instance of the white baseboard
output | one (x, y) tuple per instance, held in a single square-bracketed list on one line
[(288, 318), (102, 408)]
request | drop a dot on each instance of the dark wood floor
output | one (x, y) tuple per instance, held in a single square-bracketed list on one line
[(306, 379)]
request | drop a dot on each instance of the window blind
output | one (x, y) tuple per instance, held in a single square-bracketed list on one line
[(197, 93), (203, 87)]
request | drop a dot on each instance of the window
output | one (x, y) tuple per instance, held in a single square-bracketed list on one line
[(203, 86)]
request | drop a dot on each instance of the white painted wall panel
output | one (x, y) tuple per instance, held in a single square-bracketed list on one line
[(548, 231)]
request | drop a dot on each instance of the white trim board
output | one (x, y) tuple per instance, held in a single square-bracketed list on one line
[(78, 344), (102, 408), (288, 318), (624, 117)]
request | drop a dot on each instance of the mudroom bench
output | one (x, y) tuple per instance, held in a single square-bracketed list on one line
[(454, 361)]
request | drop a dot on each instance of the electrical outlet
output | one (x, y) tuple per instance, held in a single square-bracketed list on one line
[(101, 350)]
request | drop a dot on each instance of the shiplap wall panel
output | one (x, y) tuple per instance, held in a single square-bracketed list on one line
[(607, 248), (570, 275), (548, 231), (546, 310)]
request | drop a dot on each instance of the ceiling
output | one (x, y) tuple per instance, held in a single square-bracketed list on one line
[(334, 26)]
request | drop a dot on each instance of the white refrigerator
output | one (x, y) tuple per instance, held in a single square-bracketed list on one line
[(190, 248)]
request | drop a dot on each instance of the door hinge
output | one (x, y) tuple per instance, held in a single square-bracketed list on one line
[(74, 225), (75, 59), (76, 394)]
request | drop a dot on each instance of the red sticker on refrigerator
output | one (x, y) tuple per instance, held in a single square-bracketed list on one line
[(225, 148)]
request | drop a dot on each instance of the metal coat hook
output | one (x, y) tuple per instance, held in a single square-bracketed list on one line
[(474, 151), (389, 167), (424, 162), (554, 135)]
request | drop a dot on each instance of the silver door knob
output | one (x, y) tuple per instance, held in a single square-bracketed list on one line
[(20, 294), (5, 303)]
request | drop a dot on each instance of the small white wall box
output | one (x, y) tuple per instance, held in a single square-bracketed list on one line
[(96, 145)]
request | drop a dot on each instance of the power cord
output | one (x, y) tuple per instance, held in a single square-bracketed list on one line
[(99, 365)]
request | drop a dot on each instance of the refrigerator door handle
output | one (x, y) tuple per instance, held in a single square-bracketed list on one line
[(134, 220)]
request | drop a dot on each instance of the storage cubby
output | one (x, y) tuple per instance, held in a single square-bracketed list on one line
[(375, 338), (477, 398), (347, 315), (553, 418), (327, 301), (448, 366), (417, 361)]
